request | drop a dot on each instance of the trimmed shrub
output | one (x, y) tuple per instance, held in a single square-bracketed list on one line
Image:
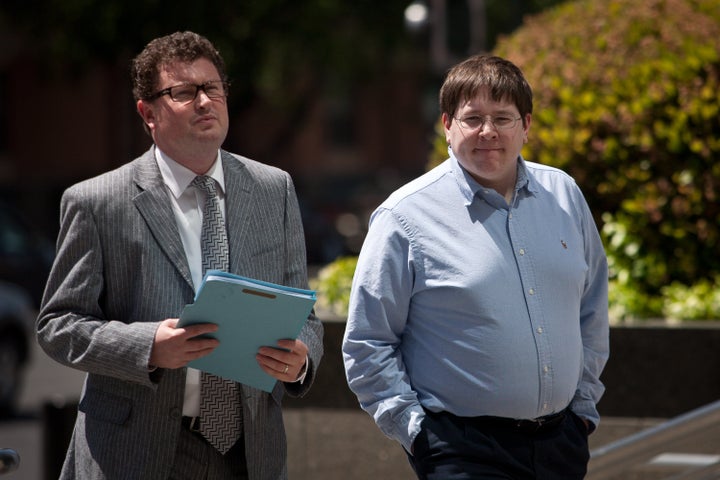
[(333, 285), (626, 101)]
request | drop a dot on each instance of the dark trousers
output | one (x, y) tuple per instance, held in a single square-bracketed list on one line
[(196, 459), (450, 447)]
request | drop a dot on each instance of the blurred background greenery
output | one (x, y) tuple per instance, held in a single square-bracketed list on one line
[(626, 101)]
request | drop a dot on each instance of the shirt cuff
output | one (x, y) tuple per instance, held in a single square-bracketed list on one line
[(303, 372)]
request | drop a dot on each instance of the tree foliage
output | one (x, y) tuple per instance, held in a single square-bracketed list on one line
[(278, 50), (274, 49), (626, 100), (626, 97), (334, 281)]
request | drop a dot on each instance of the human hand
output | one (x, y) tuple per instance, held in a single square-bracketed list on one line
[(174, 347), (284, 362)]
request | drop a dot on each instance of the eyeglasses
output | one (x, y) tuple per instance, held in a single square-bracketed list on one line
[(187, 92), (474, 122)]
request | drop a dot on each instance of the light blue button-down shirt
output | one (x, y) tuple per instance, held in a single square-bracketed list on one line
[(463, 303)]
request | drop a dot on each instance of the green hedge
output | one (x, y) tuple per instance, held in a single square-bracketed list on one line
[(627, 101)]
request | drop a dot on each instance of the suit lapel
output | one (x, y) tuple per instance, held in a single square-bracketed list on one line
[(153, 204), (238, 200)]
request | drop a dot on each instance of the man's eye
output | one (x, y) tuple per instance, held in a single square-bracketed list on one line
[(501, 121), (183, 93)]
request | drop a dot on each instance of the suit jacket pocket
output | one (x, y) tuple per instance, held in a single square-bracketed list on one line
[(105, 407)]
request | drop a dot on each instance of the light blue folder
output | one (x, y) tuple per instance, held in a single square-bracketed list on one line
[(249, 314)]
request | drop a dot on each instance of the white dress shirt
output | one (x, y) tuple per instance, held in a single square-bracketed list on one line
[(187, 204)]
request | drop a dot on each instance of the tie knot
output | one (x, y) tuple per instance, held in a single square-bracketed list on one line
[(206, 184)]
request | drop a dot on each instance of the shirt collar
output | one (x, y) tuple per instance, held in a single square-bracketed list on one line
[(178, 177), (471, 189)]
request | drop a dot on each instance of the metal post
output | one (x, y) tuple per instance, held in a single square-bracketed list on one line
[(58, 423)]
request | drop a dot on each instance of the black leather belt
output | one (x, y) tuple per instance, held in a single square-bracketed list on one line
[(191, 423), (538, 425)]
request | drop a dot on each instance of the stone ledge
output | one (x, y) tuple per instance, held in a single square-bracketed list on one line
[(658, 370), (654, 371)]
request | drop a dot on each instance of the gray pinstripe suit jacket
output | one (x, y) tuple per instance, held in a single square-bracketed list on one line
[(121, 268)]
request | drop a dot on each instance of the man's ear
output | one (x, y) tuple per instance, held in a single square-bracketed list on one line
[(146, 111), (446, 121)]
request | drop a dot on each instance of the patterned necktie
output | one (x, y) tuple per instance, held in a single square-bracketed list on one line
[(220, 407)]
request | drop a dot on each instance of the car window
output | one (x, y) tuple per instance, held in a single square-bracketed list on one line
[(13, 238)]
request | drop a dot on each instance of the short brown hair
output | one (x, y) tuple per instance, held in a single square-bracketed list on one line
[(177, 47), (503, 80)]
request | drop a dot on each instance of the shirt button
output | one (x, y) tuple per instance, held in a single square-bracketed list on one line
[(531, 291), (539, 330), (522, 251), (545, 406), (546, 369), (509, 215)]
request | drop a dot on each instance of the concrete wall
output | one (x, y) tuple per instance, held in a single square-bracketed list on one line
[(658, 371), (653, 371)]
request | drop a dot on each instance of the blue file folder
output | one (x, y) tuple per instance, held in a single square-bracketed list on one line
[(249, 314)]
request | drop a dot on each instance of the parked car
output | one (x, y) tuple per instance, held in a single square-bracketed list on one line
[(25, 254), (9, 460), (25, 260), (17, 331)]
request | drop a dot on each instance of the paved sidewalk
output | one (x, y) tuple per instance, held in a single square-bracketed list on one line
[(345, 444), (323, 444)]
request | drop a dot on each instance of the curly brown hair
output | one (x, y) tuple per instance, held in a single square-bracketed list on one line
[(176, 47)]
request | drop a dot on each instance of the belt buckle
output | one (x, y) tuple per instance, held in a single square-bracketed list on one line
[(529, 426)]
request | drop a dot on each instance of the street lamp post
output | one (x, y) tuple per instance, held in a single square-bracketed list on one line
[(434, 17)]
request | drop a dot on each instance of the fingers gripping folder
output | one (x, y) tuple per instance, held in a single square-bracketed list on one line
[(249, 314)]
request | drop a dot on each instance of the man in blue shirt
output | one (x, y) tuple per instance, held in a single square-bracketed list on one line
[(478, 323)]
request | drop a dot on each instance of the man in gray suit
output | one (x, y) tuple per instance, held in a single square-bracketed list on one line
[(129, 259)]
